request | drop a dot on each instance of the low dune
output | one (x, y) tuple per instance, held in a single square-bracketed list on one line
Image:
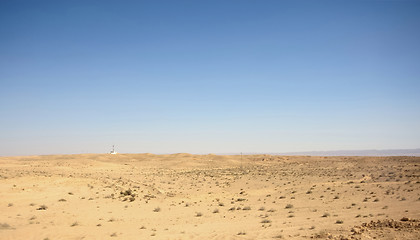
[(186, 196)]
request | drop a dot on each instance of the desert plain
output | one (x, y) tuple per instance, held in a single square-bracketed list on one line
[(185, 196)]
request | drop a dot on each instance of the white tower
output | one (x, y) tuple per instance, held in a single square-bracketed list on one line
[(113, 150)]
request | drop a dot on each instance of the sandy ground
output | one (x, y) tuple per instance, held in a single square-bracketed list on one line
[(184, 196)]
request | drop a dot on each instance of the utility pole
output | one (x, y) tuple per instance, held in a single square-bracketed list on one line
[(241, 160)]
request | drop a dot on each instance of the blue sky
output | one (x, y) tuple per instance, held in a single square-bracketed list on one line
[(208, 76)]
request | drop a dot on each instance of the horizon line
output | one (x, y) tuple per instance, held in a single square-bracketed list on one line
[(367, 152)]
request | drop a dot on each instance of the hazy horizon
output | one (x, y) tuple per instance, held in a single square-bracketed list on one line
[(208, 76), (360, 152)]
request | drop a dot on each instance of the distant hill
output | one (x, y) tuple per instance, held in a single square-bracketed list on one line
[(386, 152)]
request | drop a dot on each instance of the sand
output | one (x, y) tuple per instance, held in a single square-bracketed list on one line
[(184, 196)]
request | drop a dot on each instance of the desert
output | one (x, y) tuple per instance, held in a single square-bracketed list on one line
[(239, 119), (186, 196)]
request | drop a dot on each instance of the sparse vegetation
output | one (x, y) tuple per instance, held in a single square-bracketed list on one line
[(42, 207), (265, 221), (4, 226), (258, 197)]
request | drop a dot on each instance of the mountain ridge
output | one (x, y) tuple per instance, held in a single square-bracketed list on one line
[(368, 152)]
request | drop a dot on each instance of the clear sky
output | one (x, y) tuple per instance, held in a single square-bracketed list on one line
[(208, 76)]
